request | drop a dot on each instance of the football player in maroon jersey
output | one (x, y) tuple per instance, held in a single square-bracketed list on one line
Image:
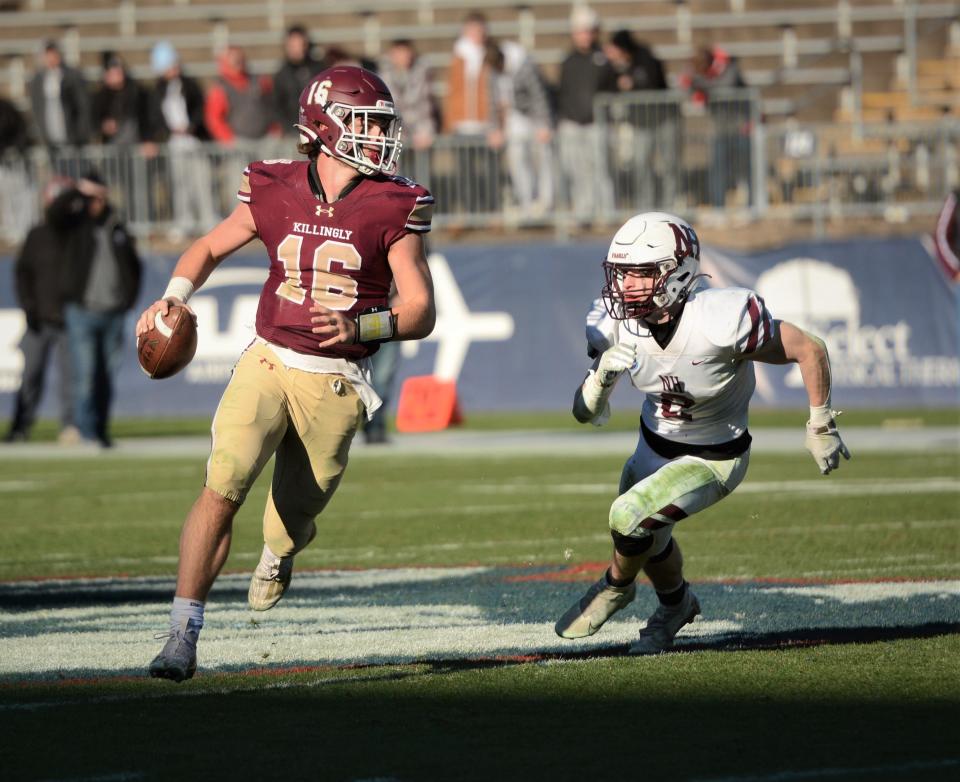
[(338, 228)]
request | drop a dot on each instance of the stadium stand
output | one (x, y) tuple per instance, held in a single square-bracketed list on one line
[(783, 49), (856, 98)]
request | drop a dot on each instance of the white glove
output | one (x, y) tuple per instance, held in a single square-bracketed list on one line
[(614, 362), (823, 440), (598, 386)]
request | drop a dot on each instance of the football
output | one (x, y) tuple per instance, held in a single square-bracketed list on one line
[(169, 345)]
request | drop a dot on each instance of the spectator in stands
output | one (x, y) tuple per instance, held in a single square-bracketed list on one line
[(714, 81), (175, 117), (119, 111), (337, 55), (298, 68), (523, 121), (119, 105), (466, 113), (711, 68), (60, 102), (383, 365), (644, 144), (16, 185), (467, 106), (13, 129), (585, 73), (39, 264), (99, 283), (409, 81), (239, 105), (637, 67)]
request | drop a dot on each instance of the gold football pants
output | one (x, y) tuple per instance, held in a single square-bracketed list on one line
[(307, 419)]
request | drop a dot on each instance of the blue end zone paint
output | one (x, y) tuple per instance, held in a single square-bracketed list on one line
[(103, 628)]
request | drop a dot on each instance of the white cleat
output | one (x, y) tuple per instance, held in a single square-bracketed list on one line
[(664, 625), (269, 581), (588, 614)]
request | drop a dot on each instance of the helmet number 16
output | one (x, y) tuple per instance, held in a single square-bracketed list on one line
[(318, 92)]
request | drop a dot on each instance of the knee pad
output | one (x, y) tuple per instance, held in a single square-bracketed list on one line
[(622, 515), (631, 514), (630, 546)]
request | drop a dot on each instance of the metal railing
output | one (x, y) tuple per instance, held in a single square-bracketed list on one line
[(891, 170), (644, 151), (669, 153)]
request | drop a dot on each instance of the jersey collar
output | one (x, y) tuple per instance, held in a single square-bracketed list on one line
[(317, 189), (662, 333)]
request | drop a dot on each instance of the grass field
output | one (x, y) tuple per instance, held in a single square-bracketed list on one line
[(416, 642), (624, 420)]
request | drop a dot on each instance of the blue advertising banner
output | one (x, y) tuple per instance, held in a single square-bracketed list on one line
[(510, 328), (886, 311)]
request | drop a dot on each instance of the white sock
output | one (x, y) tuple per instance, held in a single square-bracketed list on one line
[(184, 608), (267, 556)]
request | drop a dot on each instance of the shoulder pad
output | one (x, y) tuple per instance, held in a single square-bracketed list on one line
[(412, 199), (721, 312), (602, 331)]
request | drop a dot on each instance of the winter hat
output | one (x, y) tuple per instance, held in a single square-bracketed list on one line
[(163, 57)]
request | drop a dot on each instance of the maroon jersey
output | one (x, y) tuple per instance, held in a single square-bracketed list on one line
[(334, 254)]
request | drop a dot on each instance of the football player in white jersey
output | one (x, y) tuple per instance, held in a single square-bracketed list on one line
[(689, 349)]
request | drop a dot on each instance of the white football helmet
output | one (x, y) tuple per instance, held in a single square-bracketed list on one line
[(663, 245)]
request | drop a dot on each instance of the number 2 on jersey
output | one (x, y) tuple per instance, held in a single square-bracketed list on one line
[(334, 291)]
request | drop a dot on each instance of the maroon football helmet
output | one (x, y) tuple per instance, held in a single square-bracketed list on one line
[(349, 112)]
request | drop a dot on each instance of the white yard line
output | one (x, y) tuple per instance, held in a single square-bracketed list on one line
[(21, 485), (814, 487), (843, 572), (816, 526), (467, 443), (849, 488)]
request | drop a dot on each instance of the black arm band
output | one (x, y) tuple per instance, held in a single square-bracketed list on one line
[(376, 324)]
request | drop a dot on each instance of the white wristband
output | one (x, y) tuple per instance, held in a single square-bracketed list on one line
[(821, 415), (179, 288), (595, 394)]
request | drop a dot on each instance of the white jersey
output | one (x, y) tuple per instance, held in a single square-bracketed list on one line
[(698, 387)]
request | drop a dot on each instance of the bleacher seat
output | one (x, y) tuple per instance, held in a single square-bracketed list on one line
[(752, 30)]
